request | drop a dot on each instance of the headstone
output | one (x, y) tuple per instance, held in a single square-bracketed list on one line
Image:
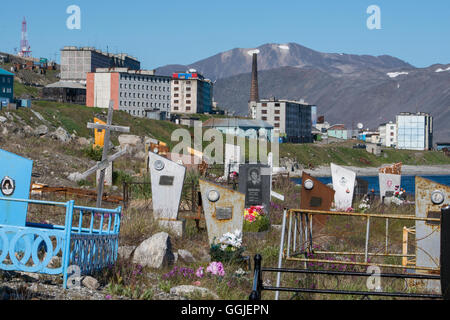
[(108, 181), (255, 183), (167, 178), (15, 182), (315, 195), (223, 209), (344, 186), (232, 158), (390, 180), (431, 197)]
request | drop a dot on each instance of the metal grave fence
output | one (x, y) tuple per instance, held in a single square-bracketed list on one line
[(298, 246), (88, 241)]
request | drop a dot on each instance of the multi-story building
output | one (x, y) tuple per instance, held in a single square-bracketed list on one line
[(388, 134), (76, 62), (140, 93), (191, 93), (414, 131), (291, 119), (6, 84)]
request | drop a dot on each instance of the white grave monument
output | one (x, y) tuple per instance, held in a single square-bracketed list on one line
[(389, 185), (167, 178), (232, 158), (344, 186)]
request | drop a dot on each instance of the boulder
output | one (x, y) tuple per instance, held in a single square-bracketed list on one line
[(155, 252), (187, 291), (186, 256), (62, 135), (83, 141), (129, 139), (90, 283), (42, 130), (75, 177), (125, 252), (3, 119)]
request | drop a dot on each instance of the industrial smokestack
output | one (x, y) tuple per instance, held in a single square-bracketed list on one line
[(254, 91)]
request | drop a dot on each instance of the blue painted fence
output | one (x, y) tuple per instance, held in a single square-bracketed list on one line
[(89, 240)]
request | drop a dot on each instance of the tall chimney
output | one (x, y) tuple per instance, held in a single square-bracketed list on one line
[(254, 92)]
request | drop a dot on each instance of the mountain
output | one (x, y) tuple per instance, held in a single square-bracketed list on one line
[(346, 88), (373, 97), (272, 56)]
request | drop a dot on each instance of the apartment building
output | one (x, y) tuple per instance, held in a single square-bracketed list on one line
[(191, 93), (140, 93), (291, 119), (388, 134)]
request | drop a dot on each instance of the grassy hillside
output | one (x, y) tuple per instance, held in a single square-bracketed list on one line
[(74, 119)]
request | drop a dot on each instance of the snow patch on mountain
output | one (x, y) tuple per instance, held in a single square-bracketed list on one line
[(396, 74), (251, 52), (442, 70), (283, 47)]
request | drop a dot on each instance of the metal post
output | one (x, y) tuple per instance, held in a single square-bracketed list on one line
[(280, 255), (387, 235), (366, 258), (257, 280), (288, 249), (445, 253)]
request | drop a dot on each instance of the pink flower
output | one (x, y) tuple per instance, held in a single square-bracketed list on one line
[(200, 273), (216, 268), (197, 283)]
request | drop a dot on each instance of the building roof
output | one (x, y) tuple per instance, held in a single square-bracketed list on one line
[(66, 84), (337, 127), (233, 122), (5, 73)]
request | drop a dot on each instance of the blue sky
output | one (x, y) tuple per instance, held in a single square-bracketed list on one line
[(182, 32)]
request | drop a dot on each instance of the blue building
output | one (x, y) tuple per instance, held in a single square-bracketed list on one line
[(6, 85)]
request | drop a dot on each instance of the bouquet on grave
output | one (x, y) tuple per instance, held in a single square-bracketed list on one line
[(255, 219), (228, 248)]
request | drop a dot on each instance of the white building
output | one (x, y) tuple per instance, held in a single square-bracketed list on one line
[(415, 131), (388, 134)]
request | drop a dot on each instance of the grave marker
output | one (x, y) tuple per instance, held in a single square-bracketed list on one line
[(167, 178), (15, 177), (431, 197), (223, 209), (344, 186), (106, 160), (390, 181), (232, 158), (255, 183), (315, 195)]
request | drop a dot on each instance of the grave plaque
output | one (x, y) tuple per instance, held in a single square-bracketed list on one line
[(431, 197), (255, 183), (224, 213), (223, 208), (15, 177), (344, 186), (167, 179)]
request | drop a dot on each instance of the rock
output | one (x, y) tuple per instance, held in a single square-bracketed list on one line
[(140, 155), (83, 141), (75, 177), (3, 119), (176, 257), (90, 283), (277, 227), (62, 135), (42, 130), (28, 130), (155, 252), (38, 115), (125, 252), (187, 291), (4, 131), (186, 256), (129, 139)]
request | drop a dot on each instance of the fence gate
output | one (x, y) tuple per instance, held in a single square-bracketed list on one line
[(299, 246)]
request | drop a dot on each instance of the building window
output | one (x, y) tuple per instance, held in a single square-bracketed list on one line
[(188, 95), (264, 118), (176, 88), (277, 118), (264, 111), (175, 82), (175, 108), (188, 89), (264, 104), (277, 125), (277, 104), (176, 101), (188, 101), (277, 111), (188, 108), (176, 95)]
